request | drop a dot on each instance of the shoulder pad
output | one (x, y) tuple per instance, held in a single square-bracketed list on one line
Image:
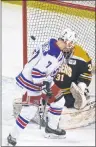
[(81, 53)]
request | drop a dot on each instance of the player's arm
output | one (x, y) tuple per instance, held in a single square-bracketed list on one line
[(86, 73)]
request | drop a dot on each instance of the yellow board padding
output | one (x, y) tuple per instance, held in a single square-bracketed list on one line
[(57, 8)]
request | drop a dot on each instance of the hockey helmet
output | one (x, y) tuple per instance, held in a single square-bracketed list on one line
[(68, 35)]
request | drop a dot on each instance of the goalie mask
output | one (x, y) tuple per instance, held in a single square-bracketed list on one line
[(69, 38)]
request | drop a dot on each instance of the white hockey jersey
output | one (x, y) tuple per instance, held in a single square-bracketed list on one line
[(43, 66)]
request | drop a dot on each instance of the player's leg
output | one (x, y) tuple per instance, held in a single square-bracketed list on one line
[(27, 113), (69, 100), (54, 114)]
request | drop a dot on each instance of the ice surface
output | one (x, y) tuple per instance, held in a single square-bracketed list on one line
[(11, 65)]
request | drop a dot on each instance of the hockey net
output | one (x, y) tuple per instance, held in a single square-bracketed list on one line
[(43, 20), (46, 19)]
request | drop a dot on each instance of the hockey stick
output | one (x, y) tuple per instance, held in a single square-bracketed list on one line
[(43, 114), (40, 116)]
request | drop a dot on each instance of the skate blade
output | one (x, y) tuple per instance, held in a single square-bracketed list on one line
[(8, 144), (54, 136)]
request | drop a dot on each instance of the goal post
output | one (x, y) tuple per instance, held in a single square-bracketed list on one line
[(24, 25), (44, 19)]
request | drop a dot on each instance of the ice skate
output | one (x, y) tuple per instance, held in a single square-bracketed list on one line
[(11, 141), (54, 134)]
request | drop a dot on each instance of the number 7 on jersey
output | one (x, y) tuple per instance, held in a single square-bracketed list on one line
[(49, 63)]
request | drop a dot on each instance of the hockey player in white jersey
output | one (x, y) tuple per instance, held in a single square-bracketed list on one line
[(37, 74)]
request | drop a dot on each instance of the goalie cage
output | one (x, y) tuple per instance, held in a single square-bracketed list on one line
[(41, 20)]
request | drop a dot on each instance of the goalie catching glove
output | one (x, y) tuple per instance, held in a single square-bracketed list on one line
[(78, 92)]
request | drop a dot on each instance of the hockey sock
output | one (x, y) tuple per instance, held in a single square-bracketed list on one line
[(20, 124), (54, 113), (27, 113)]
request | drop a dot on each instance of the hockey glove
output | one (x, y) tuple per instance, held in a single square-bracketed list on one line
[(47, 89)]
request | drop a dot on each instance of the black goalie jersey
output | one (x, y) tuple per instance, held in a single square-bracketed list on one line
[(78, 69)]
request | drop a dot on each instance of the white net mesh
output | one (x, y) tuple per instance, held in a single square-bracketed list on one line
[(46, 20), (84, 3)]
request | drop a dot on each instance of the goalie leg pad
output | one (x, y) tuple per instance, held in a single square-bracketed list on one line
[(80, 98)]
